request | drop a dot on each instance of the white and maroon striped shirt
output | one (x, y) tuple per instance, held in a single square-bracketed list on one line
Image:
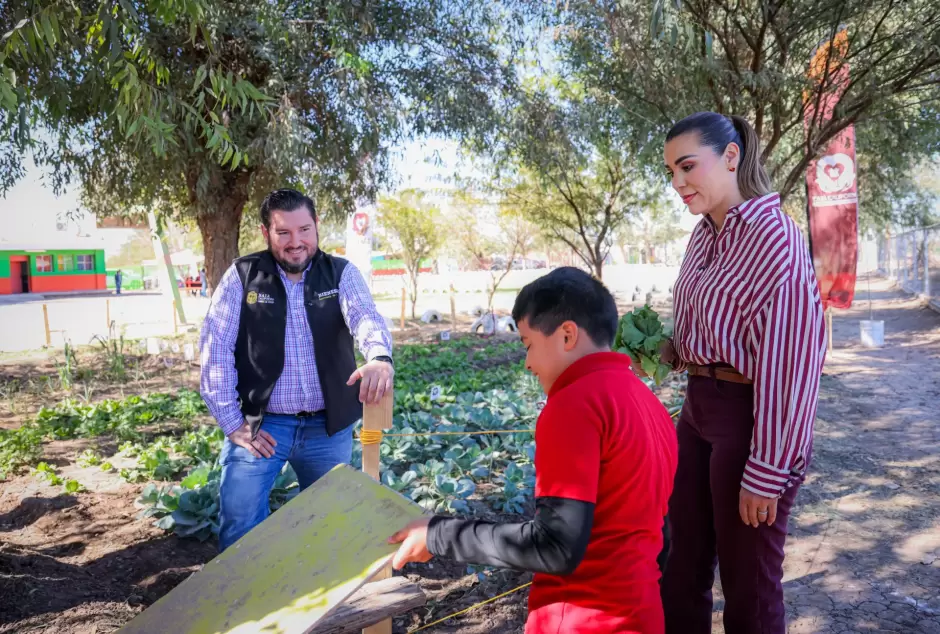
[(748, 296)]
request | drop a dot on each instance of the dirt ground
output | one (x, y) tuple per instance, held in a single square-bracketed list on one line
[(863, 553)]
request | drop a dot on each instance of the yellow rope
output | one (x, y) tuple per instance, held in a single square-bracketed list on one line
[(375, 436), (472, 607), (370, 436)]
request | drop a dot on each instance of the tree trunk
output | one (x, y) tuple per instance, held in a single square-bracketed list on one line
[(414, 290), (220, 228), (599, 269)]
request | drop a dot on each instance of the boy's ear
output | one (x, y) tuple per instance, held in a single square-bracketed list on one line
[(571, 333)]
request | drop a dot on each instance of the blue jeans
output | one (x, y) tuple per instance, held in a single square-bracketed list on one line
[(247, 481)]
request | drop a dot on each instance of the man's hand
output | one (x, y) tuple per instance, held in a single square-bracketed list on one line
[(262, 446), (414, 543), (755, 509), (376, 379)]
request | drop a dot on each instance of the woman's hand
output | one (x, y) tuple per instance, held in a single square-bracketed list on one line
[(755, 509), (667, 354)]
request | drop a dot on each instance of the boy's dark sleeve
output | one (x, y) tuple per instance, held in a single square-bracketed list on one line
[(553, 543)]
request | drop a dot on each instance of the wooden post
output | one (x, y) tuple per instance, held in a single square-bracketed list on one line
[(175, 321), (377, 417), (107, 311), (453, 308), (402, 307), (829, 329), (45, 319)]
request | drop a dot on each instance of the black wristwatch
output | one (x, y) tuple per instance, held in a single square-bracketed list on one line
[(387, 359)]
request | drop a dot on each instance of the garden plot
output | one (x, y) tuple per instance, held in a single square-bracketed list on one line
[(134, 479)]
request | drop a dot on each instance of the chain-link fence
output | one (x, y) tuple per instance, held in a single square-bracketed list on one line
[(913, 259)]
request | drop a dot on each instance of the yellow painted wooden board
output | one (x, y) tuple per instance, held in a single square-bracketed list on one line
[(293, 568)]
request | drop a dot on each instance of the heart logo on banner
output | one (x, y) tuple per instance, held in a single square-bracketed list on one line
[(360, 222), (835, 173)]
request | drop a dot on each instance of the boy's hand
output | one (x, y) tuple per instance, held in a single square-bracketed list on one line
[(414, 543)]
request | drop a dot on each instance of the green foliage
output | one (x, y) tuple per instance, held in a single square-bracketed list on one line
[(89, 458), (648, 63), (72, 419), (47, 472), (572, 171), (112, 346), (236, 98), (191, 509), (416, 227), (640, 334), (68, 367)]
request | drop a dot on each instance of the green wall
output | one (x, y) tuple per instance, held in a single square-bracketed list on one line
[(98, 253)]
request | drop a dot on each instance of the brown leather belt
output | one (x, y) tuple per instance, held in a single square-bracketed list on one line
[(722, 373)]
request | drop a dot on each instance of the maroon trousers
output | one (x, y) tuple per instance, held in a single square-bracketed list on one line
[(715, 430)]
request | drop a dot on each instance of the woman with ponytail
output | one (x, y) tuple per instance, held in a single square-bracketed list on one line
[(749, 329)]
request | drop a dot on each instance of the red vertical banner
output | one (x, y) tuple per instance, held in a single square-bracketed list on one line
[(832, 180)]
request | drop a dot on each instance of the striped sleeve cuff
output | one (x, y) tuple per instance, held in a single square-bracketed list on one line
[(378, 351), (763, 479), (230, 421)]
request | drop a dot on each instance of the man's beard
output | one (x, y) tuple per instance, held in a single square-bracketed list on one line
[(289, 267)]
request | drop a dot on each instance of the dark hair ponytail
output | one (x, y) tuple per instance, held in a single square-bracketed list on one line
[(717, 131)]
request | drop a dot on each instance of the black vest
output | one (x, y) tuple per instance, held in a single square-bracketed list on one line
[(259, 349)]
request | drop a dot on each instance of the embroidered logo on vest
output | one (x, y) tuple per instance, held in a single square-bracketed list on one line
[(258, 298), (328, 294)]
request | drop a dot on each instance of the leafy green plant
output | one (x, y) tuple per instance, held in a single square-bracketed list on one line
[(641, 335), (444, 494), (45, 471), (112, 346), (68, 367), (518, 485), (399, 483), (285, 488), (73, 486), (89, 458)]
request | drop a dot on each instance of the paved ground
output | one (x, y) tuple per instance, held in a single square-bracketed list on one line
[(864, 547)]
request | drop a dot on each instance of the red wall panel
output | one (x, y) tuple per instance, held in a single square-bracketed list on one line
[(58, 283)]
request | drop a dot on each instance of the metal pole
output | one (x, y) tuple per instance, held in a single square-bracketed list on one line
[(926, 252)]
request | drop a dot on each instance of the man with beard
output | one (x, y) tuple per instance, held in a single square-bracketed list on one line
[(278, 368)]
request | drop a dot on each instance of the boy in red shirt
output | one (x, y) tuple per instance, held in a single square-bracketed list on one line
[(604, 464)]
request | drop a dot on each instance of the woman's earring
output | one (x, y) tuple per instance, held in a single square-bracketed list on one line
[(731, 169)]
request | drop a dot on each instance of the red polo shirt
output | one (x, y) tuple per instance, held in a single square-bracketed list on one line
[(604, 438)]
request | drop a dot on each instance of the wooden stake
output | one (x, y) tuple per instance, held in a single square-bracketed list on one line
[(402, 307), (377, 417), (175, 320), (45, 318), (453, 307), (107, 309), (829, 329)]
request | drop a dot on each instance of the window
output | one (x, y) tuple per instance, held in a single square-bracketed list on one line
[(84, 263), (44, 263), (65, 263)]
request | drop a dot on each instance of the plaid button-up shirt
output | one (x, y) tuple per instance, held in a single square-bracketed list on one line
[(298, 388)]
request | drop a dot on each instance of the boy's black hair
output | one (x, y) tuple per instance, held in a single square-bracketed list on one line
[(285, 200), (568, 294)]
